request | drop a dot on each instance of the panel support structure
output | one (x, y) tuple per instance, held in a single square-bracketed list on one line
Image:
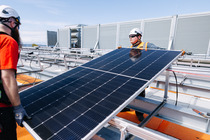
[(166, 86), (58, 38), (118, 35), (142, 29), (180, 115), (208, 50), (98, 37), (69, 39), (135, 130), (172, 32)]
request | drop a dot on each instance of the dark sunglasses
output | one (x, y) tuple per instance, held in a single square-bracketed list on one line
[(132, 36), (17, 20)]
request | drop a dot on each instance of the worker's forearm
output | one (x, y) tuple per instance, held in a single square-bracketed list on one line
[(10, 86), (11, 90)]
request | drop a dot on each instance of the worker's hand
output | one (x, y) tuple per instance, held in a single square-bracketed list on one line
[(183, 52), (20, 114)]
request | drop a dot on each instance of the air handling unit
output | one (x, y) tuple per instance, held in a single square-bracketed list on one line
[(69, 37)]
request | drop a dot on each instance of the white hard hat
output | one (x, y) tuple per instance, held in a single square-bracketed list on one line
[(135, 31), (7, 12)]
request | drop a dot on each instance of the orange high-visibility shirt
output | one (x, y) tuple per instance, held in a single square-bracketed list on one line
[(8, 52)]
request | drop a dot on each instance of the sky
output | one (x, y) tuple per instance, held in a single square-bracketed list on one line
[(38, 16)]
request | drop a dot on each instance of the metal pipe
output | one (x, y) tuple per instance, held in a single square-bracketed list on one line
[(29, 72), (65, 63), (166, 85), (147, 119), (123, 133)]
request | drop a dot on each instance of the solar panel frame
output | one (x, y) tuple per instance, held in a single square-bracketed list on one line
[(102, 123)]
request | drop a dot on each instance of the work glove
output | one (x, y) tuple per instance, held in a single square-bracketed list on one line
[(20, 114)]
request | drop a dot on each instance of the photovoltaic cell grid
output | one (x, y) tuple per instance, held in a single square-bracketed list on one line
[(76, 104)]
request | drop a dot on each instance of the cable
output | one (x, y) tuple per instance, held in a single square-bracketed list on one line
[(176, 88)]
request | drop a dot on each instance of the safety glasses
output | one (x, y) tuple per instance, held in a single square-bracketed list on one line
[(17, 20), (132, 36)]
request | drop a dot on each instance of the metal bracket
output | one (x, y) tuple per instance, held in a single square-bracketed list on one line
[(123, 131), (65, 62)]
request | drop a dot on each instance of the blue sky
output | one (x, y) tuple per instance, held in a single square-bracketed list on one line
[(38, 16)]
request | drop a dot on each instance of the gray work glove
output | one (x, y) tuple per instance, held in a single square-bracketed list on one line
[(20, 114)]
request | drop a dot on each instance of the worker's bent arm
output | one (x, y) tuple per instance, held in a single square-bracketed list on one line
[(10, 86)]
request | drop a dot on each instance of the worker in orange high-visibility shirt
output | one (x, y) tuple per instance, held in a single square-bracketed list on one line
[(135, 36), (135, 39), (11, 110)]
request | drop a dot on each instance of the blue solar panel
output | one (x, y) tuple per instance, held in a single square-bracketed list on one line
[(76, 104)]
